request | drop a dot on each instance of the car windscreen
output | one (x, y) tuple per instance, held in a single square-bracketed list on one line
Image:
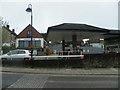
[(21, 52), (14, 52)]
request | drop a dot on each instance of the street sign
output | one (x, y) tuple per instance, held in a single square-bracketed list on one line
[(31, 46)]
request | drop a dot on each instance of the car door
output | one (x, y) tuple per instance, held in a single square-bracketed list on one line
[(21, 54), (14, 55), (7, 56)]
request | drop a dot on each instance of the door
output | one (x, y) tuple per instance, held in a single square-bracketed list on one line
[(21, 55), (14, 55)]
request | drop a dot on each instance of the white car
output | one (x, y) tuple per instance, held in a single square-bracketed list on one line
[(17, 55)]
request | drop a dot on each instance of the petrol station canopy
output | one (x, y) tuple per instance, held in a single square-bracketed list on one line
[(65, 31)]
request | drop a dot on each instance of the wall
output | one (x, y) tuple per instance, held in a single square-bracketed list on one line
[(0, 37), (6, 35), (90, 61)]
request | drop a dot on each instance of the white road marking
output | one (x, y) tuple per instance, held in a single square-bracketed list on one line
[(30, 81)]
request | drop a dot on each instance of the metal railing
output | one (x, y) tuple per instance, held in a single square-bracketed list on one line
[(69, 52)]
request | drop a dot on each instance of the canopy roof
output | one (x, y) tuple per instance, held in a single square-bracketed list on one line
[(65, 31)]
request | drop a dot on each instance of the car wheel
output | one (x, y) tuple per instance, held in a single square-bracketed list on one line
[(4, 60), (26, 60)]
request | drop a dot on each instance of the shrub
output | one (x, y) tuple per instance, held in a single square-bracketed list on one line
[(7, 49)]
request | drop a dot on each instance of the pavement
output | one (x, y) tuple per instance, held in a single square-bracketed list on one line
[(64, 71)]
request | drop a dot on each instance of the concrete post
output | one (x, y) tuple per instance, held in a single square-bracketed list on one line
[(74, 40), (63, 45)]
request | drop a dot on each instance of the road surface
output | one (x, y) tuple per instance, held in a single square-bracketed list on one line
[(22, 80)]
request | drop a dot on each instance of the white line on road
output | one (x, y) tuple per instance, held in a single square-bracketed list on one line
[(28, 81), (42, 86)]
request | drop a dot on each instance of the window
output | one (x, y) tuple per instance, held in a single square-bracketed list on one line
[(29, 33), (22, 52), (14, 52), (9, 53), (26, 44), (21, 43), (38, 44)]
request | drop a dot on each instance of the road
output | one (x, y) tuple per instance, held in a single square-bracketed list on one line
[(22, 80)]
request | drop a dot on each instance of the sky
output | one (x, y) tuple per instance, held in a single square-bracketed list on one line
[(100, 13)]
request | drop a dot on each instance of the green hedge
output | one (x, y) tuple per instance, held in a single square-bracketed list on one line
[(102, 60), (7, 49)]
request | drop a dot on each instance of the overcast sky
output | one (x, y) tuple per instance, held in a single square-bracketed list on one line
[(45, 14)]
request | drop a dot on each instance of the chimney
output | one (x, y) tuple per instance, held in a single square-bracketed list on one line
[(8, 26), (13, 30)]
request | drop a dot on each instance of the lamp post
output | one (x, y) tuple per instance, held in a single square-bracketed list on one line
[(29, 9)]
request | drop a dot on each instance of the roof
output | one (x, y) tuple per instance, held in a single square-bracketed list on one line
[(114, 32), (35, 33), (44, 35), (10, 31), (65, 31), (79, 27)]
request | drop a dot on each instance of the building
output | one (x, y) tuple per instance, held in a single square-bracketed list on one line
[(8, 36), (76, 33), (112, 44), (23, 40)]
